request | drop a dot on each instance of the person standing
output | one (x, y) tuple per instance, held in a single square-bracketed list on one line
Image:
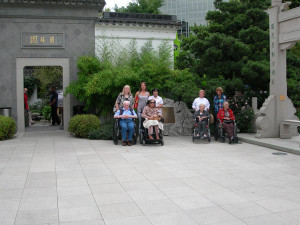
[(219, 100), (53, 104), (141, 97), (201, 100), (158, 100), (26, 108)]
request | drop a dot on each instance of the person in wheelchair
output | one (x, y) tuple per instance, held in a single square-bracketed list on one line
[(201, 117), (227, 119), (152, 119), (126, 114)]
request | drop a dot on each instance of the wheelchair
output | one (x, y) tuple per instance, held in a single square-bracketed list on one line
[(222, 133), (143, 136), (117, 132), (207, 133)]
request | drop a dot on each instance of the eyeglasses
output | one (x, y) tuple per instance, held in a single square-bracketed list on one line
[(152, 102)]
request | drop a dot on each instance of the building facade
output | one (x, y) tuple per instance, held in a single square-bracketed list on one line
[(57, 33), (189, 12)]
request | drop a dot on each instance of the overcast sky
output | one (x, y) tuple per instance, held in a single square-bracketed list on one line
[(111, 3)]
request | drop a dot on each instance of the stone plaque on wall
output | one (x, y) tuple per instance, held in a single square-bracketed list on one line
[(168, 114), (42, 40)]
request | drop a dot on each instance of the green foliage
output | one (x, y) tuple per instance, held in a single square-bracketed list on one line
[(82, 125), (7, 127), (47, 76), (29, 83), (105, 131), (100, 81), (141, 6), (243, 113), (46, 112), (235, 45), (295, 3)]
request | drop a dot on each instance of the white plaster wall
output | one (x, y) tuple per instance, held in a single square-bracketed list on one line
[(125, 34), (33, 99)]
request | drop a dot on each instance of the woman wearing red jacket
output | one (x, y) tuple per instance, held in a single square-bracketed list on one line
[(227, 118)]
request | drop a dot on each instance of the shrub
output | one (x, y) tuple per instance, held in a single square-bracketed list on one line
[(105, 131), (46, 112), (244, 120), (82, 125), (7, 127)]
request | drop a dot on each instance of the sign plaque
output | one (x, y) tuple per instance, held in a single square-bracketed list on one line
[(42, 40), (168, 114)]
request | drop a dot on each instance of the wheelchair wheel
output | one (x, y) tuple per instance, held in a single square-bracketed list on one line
[(162, 142), (222, 139), (236, 139), (134, 139), (115, 133), (143, 142), (141, 137)]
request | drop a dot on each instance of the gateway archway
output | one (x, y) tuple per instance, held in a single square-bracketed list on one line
[(43, 33), (23, 62)]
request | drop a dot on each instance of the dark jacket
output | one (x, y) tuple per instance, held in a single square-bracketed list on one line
[(205, 113)]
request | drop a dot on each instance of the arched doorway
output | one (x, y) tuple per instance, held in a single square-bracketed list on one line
[(23, 62)]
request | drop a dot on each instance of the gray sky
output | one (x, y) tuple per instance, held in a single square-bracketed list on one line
[(111, 3)]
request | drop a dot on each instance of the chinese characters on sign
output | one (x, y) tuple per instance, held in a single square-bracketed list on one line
[(273, 54), (42, 40)]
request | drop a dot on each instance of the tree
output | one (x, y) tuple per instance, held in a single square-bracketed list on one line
[(47, 76), (141, 6), (235, 44)]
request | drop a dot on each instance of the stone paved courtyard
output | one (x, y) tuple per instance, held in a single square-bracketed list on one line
[(52, 178)]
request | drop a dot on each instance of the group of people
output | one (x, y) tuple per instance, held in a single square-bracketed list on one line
[(148, 107), (222, 112)]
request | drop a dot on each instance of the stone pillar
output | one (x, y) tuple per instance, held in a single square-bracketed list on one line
[(278, 106)]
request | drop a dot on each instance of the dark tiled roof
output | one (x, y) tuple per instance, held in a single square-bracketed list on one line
[(140, 19), (69, 3)]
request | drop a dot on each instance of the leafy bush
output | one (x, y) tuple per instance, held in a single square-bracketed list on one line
[(46, 112), (244, 120), (29, 83), (244, 114), (7, 127), (105, 132), (82, 125)]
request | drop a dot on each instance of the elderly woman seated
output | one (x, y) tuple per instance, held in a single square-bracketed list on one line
[(201, 117), (227, 118), (152, 116), (126, 114)]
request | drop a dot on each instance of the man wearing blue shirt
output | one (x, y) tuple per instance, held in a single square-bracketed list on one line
[(126, 115)]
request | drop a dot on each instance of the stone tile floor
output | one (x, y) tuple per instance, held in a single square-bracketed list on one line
[(55, 179)]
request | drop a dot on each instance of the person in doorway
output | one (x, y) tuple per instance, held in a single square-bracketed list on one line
[(158, 100), (26, 108), (53, 104)]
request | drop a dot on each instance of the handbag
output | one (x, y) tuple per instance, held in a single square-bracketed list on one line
[(136, 102)]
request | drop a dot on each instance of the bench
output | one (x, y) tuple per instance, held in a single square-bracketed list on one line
[(285, 131)]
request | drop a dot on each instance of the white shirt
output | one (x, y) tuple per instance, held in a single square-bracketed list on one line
[(158, 101), (198, 101)]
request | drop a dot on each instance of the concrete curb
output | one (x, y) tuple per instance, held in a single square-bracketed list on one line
[(267, 144)]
